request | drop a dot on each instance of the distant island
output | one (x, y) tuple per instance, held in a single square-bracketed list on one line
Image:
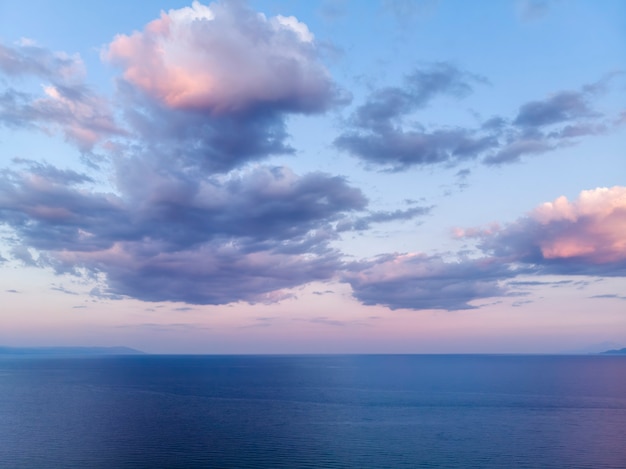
[(69, 351), (614, 352)]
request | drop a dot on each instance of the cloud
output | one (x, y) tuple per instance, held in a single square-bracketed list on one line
[(66, 103), (418, 281), (82, 116), (176, 237), (62, 289), (26, 58), (406, 11), (529, 10), (204, 91), (213, 84), (520, 146), (212, 273), (561, 107), (384, 132), (610, 296), (363, 223), (386, 106), (397, 150), (585, 236), (49, 211), (225, 58)]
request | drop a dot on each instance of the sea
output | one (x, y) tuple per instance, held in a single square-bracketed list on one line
[(326, 411)]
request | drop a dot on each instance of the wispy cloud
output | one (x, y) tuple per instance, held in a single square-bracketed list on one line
[(28, 58), (65, 104), (385, 132)]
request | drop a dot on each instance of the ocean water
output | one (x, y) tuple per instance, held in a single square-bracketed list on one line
[(384, 411)]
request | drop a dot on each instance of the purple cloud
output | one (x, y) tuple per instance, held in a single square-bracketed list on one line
[(27, 58), (191, 238), (379, 133), (561, 107), (364, 222), (213, 84), (581, 237), (417, 281), (67, 105)]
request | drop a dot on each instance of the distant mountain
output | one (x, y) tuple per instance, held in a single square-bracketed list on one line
[(621, 351), (69, 351)]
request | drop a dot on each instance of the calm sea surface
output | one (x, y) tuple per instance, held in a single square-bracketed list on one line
[(403, 411)]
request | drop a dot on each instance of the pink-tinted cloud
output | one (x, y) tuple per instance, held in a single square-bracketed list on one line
[(581, 235), (180, 237), (65, 104), (586, 236), (224, 58), (593, 227), (418, 281)]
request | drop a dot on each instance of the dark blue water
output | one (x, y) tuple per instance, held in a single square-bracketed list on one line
[(313, 412)]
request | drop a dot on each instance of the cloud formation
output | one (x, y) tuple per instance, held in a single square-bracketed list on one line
[(82, 116), (26, 58), (583, 237), (384, 132), (66, 104), (418, 281), (193, 216), (225, 58), (176, 237), (212, 85), (377, 132), (381, 216)]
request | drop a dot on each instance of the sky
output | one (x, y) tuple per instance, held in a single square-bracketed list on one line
[(314, 176)]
